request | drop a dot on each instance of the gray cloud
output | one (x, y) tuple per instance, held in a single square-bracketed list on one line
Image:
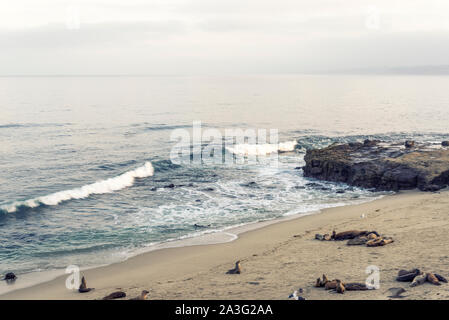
[(210, 36)]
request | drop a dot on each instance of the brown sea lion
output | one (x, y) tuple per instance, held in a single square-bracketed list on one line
[(83, 286), (236, 270), (432, 279), (321, 282), (340, 288), (420, 279), (407, 275), (372, 235), (379, 241), (354, 286), (143, 296), (331, 284), (115, 295), (440, 278)]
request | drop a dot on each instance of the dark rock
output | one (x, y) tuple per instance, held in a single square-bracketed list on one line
[(171, 186), (445, 143), (371, 165)]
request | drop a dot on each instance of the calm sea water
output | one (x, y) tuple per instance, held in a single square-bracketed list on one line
[(60, 135)]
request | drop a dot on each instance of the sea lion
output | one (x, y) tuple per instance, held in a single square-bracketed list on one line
[(319, 237), (432, 279), (321, 283), (9, 277), (379, 241), (409, 144), (440, 278), (396, 292), (331, 284), (372, 235), (407, 275), (420, 279), (83, 286), (236, 270), (354, 286), (357, 241), (143, 296), (115, 295), (200, 226), (346, 235), (340, 288), (327, 237)]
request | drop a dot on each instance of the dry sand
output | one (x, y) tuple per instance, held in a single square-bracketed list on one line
[(283, 257)]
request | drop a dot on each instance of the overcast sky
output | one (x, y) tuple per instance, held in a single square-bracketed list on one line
[(219, 36)]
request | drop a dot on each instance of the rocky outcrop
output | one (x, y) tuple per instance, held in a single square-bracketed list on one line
[(381, 166)]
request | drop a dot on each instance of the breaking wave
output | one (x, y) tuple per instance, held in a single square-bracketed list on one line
[(262, 149), (104, 186)]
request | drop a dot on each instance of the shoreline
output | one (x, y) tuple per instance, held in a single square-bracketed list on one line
[(171, 273), (227, 234)]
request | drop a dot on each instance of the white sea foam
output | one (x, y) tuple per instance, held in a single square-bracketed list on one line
[(104, 186), (262, 149)]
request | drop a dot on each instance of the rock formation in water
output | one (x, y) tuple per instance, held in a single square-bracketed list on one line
[(381, 166)]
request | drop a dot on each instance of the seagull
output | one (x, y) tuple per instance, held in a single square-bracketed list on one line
[(295, 296)]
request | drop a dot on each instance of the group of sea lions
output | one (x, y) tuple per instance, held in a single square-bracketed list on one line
[(417, 277), (114, 295), (339, 286), (356, 237)]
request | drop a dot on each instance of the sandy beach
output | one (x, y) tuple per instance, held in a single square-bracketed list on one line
[(282, 257)]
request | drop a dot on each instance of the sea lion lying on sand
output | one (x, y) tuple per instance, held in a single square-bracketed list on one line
[(83, 286), (321, 237), (115, 295), (329, 285), (357, 241), (340, 288), (351, 234), (355, 286), (407, 275), (321, 283), (236, 270), (420, 279), (430, 277), (379, 241), (440, 278), (143, 296)]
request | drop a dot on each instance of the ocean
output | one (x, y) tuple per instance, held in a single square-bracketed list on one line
[(86, 176)]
